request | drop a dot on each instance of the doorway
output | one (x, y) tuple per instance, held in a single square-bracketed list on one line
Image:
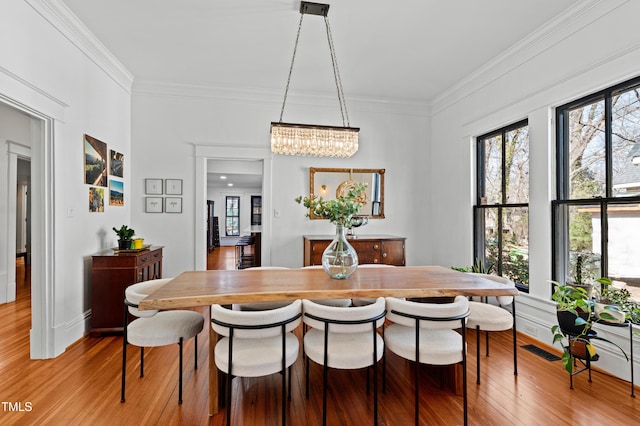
[(26, 138)]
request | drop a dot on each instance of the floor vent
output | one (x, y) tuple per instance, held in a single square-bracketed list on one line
[(541, 352)]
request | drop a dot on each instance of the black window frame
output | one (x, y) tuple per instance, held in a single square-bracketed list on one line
[(227, 216), (480, 207), (560, 206)]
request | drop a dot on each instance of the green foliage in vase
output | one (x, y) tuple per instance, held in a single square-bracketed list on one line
[(339, 211)]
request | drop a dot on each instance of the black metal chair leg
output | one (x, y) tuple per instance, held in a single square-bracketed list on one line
[(142, 361), (124, 352), (180, 374), (515, 344), (195, 362), (477, 354)]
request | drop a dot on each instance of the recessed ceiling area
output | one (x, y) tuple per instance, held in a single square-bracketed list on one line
[(410, 51), (241, 174)]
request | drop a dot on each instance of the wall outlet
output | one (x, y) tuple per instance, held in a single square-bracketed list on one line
[(277, 213)]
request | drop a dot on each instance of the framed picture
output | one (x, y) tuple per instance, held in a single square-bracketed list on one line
[(95, 162), (96, 199), (116, 164), (173, 186), (173, 205), (153, 204), (116, 193), (153, 186)]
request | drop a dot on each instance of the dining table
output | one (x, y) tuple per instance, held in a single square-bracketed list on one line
[(193, 289)]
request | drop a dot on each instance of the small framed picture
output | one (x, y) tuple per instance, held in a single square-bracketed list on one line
[(153, 186), (173, 186), (153, 205), (173, 205)]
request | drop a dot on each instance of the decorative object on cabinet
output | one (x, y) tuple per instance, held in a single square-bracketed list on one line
[(173, 205), (111, 273), (124, 236), (376, 249), (153, 205), (325, 182), (153, 186), (173, 186), (95, 162), (305, 139), (116, 193)]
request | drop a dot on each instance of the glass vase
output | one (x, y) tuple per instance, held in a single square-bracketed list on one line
[(340, 259)]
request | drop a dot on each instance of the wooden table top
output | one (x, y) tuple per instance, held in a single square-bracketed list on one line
[(202, 288)]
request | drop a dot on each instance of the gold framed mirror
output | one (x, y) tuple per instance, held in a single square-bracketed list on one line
[(331, 182)]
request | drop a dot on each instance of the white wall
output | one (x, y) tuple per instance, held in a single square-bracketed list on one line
[(168, 120), (569, 59), (44, 71)]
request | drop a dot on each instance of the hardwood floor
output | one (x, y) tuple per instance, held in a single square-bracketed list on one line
[(82, 386)]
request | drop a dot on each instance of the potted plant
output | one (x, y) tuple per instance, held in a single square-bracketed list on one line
[(575, 323), (124, 236), (339, 259)]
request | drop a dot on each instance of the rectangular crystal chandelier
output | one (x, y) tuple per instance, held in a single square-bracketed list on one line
[(320, 141), (315, 140)]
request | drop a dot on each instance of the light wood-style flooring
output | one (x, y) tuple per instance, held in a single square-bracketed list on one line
[(82, 386)]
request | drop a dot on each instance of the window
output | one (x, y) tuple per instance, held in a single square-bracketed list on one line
[(501, 214), (597, 212), (232, 219)]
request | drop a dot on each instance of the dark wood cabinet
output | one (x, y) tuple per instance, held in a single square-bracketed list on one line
[(213, 231), (111, 274), (381, 249)]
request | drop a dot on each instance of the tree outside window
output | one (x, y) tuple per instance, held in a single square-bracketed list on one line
[(502, 206), (597, 211)]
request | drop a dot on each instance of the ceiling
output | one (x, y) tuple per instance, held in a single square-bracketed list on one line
[(238, 180), (410, 51)]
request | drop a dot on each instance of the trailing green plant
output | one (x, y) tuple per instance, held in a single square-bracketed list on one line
[(575, 301), (339, 211)]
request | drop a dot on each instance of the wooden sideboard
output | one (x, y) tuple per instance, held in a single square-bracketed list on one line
[(111, 274), (382, 249)]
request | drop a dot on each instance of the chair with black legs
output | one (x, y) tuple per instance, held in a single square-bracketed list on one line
[(156, 328), (486, 317), (343, 338), (255, 344), (425, 333)]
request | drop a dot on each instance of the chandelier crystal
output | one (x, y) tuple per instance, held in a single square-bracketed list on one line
[(315, 140)]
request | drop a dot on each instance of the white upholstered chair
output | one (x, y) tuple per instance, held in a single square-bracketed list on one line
[(154, 328), (343, 338), (255, 344), (433, 326), (487, 317)]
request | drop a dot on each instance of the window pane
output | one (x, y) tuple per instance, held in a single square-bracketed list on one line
[(584, 244), (491, 239), (517, 165), (623, 222), (587, 173), (625, 138), (493, 170), (515, 244)]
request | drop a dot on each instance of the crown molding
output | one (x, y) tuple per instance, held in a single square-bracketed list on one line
[(144, 87), (61, 18), (560, 28)]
